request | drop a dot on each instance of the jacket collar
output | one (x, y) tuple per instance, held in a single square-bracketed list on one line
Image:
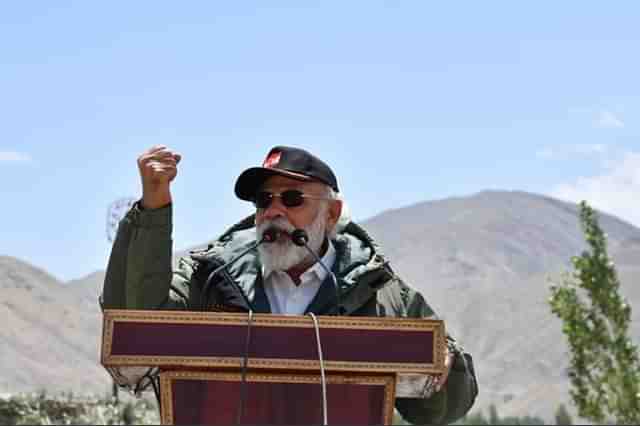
[(360, 268)]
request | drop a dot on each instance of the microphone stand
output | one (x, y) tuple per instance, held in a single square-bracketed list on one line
[(301, 239), (269, 236)]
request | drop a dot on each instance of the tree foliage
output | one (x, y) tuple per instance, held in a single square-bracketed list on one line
[(478, 418), (562, 416), (604, 368), (494, 419)]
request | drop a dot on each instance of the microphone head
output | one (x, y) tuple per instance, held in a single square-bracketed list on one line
[(270, 235), (300, 237)]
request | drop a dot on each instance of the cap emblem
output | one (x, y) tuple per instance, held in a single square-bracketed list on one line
[(272, 160)]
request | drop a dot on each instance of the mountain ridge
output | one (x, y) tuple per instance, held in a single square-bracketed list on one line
[(482, 261)]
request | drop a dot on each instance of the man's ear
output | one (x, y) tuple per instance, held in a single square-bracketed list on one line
[(335, 210)]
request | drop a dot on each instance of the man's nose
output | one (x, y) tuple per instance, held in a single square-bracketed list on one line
[(275, 209)]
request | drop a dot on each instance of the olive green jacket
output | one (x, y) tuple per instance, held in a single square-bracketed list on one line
[(140, 276)]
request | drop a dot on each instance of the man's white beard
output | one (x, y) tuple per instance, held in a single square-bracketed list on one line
[(283, 254)]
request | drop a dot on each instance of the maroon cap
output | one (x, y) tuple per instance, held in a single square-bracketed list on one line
[(294, 163)]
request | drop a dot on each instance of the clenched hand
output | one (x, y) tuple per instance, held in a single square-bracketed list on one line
[(158, 166)]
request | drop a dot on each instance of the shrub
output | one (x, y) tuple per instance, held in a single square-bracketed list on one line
[(41, 409)]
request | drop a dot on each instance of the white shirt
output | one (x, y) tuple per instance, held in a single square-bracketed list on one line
[(287, 298)]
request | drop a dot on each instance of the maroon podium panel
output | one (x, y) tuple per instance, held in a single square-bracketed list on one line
[(278, 399), (281, 342)]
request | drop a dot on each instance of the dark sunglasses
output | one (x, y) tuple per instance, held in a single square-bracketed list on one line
[(289, 198)]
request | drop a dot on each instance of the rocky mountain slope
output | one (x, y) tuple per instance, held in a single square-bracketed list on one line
[(483, 262), (49, 335)]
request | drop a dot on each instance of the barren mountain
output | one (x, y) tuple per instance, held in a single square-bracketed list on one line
[(482, 262), (49, 336)]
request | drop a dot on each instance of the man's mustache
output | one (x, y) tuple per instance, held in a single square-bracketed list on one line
[(281, 226)]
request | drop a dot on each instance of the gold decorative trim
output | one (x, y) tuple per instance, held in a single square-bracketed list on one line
[(270, 320), (440, 345), (274, 364), (107, 338), (167, 377), (166, 396)]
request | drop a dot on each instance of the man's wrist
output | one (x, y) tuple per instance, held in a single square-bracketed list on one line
[(143, 207), (155, 199), (145, 217)]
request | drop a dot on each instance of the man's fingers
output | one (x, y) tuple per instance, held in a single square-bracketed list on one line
[(164, 161), (164, 153), (161, 168), (441, 379), (160, 157), (158, 151), (158, 167), (448, 359), (154, 149), (161, 175)]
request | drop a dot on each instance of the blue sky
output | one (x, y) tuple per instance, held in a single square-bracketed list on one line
[(407, 101)]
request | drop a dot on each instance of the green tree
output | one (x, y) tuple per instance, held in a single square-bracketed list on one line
[(494, 419), (604, 368), (526, 420), (562, 416)]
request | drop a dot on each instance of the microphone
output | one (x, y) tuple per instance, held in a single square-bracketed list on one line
[(301, 239), (270, 235)]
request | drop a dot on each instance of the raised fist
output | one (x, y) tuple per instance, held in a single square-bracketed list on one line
[(158, 166)]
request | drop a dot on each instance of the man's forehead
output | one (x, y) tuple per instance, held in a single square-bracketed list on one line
[(283, 182)]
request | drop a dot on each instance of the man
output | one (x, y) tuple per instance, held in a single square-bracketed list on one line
[(292, 190)]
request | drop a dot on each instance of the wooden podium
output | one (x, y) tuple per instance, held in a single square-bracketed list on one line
[(368, 362)]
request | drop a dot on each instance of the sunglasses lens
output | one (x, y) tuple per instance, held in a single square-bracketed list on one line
[(263, 199), (292, 198)]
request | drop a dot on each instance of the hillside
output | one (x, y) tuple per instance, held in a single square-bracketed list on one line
[(483, 263), (50, 335)]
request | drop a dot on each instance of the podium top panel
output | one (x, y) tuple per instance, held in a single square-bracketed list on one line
[(216, 340)]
